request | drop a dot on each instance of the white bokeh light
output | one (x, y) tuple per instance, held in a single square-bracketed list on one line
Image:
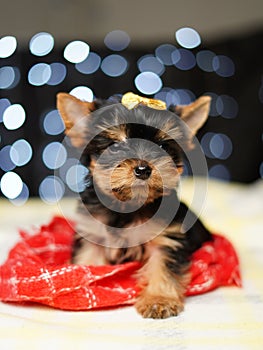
[(8, 46), (41, 44), (14, 117), (83, 93), (148, 83), (188, 37), (76, 51), (11, 185)]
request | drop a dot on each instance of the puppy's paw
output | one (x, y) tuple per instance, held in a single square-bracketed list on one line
[(158, 306)]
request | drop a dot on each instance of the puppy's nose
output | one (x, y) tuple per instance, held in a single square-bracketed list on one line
[(142, 172)]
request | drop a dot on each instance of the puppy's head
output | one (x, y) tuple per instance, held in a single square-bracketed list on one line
[(133, 150)]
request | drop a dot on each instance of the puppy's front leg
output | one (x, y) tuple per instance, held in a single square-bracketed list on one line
[(87, 253), (163, 289)]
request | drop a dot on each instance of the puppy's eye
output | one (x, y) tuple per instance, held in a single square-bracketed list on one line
[(164, 146), (115, 147)]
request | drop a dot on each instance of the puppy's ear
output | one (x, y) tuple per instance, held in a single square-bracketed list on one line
[(195, 114), (73, 112)]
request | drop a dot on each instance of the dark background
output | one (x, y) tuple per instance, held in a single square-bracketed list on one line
[(244, 164)]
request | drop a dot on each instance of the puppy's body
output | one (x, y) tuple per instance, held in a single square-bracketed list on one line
[(129, 209)]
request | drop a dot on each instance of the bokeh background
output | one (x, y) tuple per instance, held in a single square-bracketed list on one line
[(171, 50)]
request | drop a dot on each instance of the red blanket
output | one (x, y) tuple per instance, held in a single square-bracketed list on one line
[(37, 270)]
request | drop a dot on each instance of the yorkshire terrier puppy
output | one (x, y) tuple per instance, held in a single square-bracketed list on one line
[(133, 148)]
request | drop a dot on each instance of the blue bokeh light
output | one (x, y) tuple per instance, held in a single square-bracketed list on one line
[(117, 40), (6, 163), (21, 152), (22, 198), (150, 63), (9, 77), (183, 59), (4, 103), (54, 155), (75, 177), (227, 106), (51, 189), (114, 65), (164, 53), (204, 60), (90, 65), (220, 171), (53, 123), (58, 73), (223, 66)]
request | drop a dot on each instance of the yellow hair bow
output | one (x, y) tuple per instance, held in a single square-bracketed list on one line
[(130, 101)]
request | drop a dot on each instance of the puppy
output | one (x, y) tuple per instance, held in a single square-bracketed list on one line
[(133, 149)]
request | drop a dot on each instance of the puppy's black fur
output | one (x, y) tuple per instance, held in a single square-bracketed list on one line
[(135, 158)]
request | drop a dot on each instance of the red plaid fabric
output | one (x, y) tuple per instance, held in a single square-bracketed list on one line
[(38, 270)]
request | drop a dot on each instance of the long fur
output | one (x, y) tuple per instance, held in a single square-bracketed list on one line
[(119, 214)]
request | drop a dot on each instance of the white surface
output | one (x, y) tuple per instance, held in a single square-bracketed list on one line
[(227, 318)]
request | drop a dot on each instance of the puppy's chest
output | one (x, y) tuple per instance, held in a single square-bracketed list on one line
[(104, 244), (121, 237), (100, 229)]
